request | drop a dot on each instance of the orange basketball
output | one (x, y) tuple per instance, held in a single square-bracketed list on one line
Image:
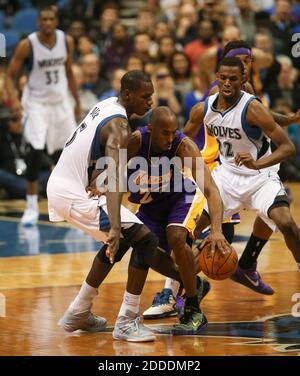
[(219, 266)]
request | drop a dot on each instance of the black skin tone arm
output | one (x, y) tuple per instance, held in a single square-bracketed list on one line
[(258, 115), (189, 149), (114, 136)]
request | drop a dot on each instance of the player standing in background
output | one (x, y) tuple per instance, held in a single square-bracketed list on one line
[(46, 109)]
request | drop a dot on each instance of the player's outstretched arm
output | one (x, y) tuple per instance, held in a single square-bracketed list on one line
[(14, 68), (195, 121), (202, 177), (286, 120), (258, 115)]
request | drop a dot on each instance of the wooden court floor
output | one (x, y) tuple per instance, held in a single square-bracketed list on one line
[(42, 270)]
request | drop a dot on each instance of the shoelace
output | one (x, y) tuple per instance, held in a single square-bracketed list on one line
[(131, 324), (161, 298)]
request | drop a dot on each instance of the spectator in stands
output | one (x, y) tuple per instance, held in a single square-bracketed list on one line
[(134, 62), (164, 89), (91, 69), (115, 84), (246, 20), (87, 98), (287, 85), (142, 46), (281, 26), (119, 49), (186, 24), (206, 39), (108, 18), (180, 69), (166, 49)]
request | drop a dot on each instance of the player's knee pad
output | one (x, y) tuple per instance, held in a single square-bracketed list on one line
[(34, 162), (123, 248), (143, 251)]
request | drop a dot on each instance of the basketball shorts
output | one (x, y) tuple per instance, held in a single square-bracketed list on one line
[(47, 124), (235, 218), (89, 215), (181, 209), (251, 192)]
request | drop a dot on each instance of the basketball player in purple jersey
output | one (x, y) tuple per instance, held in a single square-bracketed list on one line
[(170, 207)]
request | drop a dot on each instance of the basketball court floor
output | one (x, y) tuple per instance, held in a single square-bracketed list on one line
[(42, 268)]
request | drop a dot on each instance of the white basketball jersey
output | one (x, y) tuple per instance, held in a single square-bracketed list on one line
[(234, 134), (47, 81), (82, 148)]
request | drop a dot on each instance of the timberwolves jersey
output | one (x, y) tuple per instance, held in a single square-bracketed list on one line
[(158, 179), (47, 81), (234, 134), (83, 149)]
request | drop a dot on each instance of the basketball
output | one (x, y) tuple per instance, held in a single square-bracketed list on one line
[(219, 266)]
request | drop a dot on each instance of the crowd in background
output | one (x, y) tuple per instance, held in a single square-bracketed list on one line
[(177, 43)]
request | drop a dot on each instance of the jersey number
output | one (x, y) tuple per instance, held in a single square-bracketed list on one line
[(80, 128), (52, 77), (225, 148)]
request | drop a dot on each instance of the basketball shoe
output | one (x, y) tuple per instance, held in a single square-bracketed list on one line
[(128, 328), (251, 279), (86, 321), (163, 305), (191, 323), (30, 217), (166, 305)]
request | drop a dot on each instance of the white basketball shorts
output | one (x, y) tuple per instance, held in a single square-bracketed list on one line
[(89, 215), (250, 192), (48, 124)]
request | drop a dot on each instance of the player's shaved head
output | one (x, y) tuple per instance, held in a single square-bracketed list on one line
[(161, 113)]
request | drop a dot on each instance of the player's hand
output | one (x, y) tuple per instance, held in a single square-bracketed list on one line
[(92, 190), (113, 241), (17, 108), (295, 118), (246, 159), (217, 242)]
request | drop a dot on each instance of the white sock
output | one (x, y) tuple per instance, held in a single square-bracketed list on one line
[(298, 266), (130, 303), (32, 201), (173, 285), (84, 298)]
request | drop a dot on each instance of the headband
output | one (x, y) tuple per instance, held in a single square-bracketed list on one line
[(239, 51)]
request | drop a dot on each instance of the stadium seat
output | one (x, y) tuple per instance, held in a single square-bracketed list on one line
[(25, 21), (11, 40), (2, 20)]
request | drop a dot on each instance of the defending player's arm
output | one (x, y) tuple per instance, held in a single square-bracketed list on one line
[(70, 76), (117, 138), (195, 121), (202, 177), (15, 66), (134, 144), (286, 120), (259, 116)]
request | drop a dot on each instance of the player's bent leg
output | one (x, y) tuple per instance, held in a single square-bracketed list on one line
[(246, 273), (283, 219), (31, 213), (128, 326)]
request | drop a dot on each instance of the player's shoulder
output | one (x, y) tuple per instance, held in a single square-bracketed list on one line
[(197, 111), (23, 48)]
